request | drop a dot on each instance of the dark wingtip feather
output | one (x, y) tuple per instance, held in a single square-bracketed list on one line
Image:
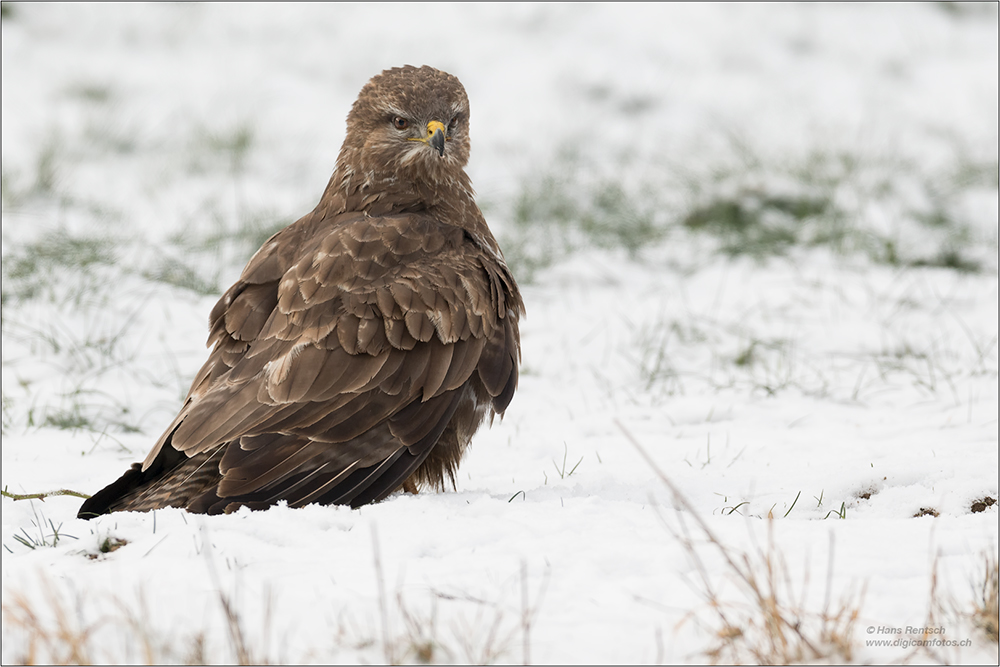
[(502, 400), (390, 479), (101, 502)]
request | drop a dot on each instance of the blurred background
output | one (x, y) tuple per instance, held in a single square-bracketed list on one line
[(869, 129)]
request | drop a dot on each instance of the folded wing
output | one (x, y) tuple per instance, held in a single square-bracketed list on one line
[(348, 350)]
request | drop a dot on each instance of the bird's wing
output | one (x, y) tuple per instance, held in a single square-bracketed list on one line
[(342, 345)]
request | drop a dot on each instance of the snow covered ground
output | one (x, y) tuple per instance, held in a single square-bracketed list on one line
[(760, 241)]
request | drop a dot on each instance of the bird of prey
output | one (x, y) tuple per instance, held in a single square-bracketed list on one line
[(363, 345)]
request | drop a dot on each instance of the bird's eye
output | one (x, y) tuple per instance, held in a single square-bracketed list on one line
[(453, 124), (400, 123)]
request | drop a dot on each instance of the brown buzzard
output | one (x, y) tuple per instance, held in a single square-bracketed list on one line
[(363, 345)]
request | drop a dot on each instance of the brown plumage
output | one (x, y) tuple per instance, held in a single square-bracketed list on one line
[(363, 345)]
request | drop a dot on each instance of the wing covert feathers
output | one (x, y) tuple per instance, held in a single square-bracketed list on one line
[(357, 354)]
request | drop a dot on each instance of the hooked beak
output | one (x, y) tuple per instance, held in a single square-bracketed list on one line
[(435, 136)]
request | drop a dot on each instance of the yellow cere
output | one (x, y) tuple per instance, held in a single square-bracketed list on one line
[(432, 127), (435, 125)]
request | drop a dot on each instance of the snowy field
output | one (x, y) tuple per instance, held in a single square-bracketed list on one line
[(758, 250)]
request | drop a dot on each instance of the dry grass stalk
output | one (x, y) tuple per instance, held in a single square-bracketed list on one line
[(54, 633), (58, 640), (986, 604), (482, 631), (944, 611), (772, 627)]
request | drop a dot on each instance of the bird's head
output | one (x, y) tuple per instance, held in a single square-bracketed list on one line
[(410, 123)]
